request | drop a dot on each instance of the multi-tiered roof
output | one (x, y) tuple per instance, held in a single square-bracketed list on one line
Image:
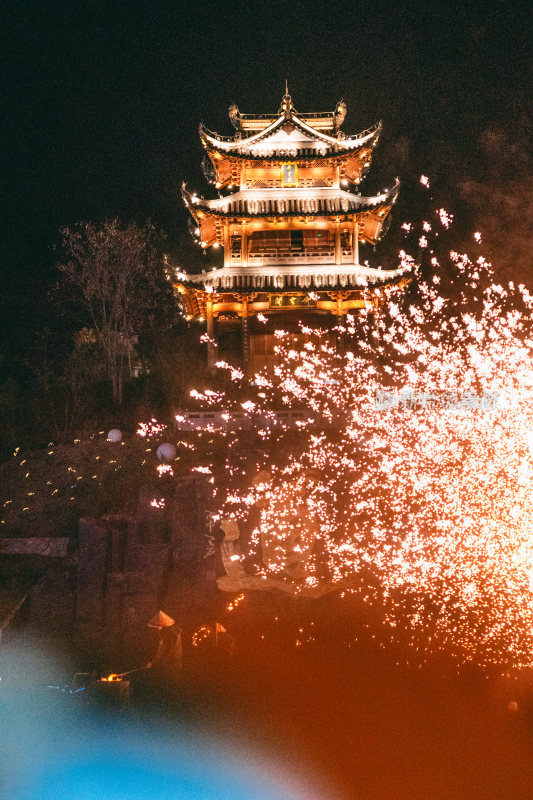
[(289, 213), (290, 219)]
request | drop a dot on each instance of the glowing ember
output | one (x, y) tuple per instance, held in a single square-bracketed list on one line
[(201, 635), (235, 603)]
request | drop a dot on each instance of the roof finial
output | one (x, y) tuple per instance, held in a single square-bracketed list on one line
[(286, 103)]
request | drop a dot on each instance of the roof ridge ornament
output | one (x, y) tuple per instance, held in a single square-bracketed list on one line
[(340, 114), (235, 116), (286, 103)]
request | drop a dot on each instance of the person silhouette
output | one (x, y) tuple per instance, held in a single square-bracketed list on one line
[(167, 662)]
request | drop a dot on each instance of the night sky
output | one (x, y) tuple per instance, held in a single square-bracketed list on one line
[(102, 103)]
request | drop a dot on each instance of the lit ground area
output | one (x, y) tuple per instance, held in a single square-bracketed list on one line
[(331, 721)]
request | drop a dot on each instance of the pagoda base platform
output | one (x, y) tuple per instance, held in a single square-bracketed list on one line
[(257, 314)]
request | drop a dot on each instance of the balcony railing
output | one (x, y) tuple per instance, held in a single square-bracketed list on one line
[(303, 183), (278, 255)]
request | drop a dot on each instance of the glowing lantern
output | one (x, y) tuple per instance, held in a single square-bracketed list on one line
[(166, 452), (114, 435)]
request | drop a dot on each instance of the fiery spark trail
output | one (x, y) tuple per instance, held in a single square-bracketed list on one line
[(415, 485)]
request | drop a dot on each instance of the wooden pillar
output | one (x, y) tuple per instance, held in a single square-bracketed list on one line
[(211, 344), (244, 246), (227, 246), (337, 177), (245, 335), (355, 243), (338, 252), (339, 309)]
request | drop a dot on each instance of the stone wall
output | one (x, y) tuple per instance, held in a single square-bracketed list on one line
[(100, 591), (129, 567)]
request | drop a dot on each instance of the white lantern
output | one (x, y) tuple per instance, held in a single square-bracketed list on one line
[(114, 435), (166, 452)]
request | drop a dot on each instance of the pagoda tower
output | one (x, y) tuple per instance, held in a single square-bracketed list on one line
[(291, 222)]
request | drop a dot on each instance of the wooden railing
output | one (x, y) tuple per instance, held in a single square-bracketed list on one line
[(303, 183), (280, 255)]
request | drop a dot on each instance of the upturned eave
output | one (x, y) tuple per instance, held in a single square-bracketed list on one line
[(240, 147), (326, 202)]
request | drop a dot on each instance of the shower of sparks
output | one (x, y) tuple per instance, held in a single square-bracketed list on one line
[(152, 428), (412, 483), (206, 339), (164, 469), (406, 481), (235, 603), (445, 218)]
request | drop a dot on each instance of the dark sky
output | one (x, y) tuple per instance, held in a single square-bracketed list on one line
[(102, 102)]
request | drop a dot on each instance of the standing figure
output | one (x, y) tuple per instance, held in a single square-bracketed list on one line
[(168, 659)]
